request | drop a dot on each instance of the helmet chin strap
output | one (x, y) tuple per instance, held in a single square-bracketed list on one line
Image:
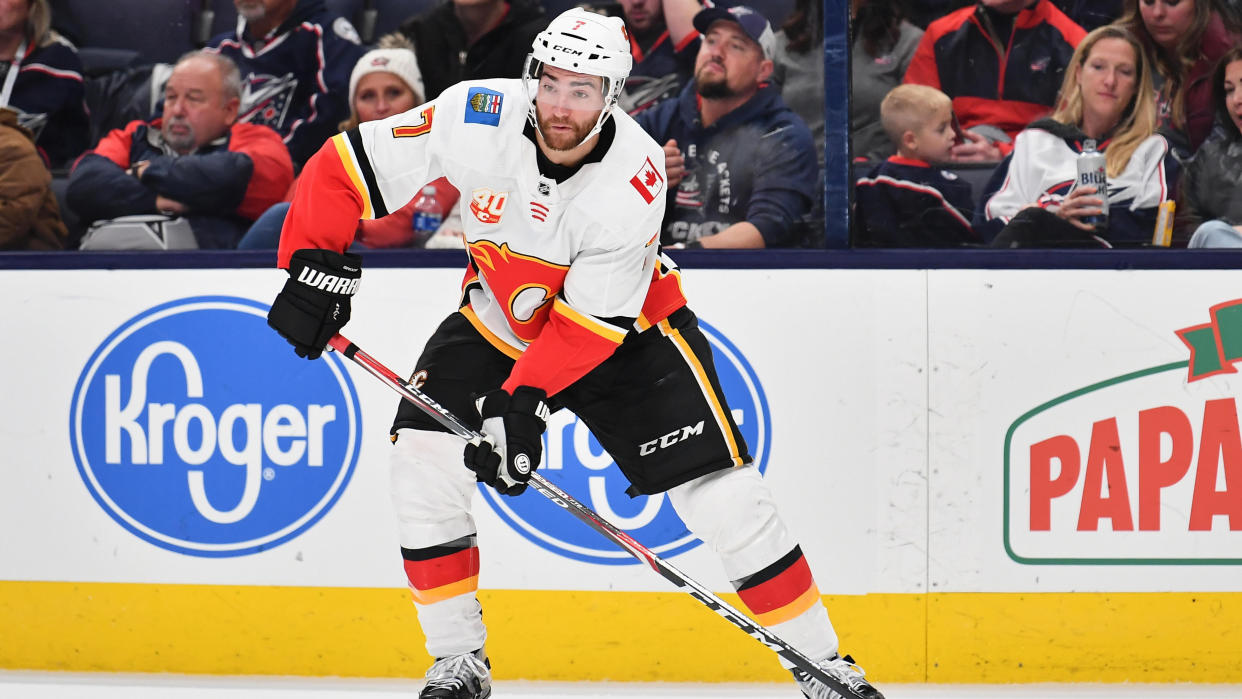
[(533, 117), (610, 103)]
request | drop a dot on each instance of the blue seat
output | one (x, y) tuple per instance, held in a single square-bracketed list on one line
[(166, 26)]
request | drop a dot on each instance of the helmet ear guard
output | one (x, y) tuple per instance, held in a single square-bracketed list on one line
[(583, 42)]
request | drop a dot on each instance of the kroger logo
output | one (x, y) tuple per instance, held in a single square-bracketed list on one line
[(196, 428), (577, 463)]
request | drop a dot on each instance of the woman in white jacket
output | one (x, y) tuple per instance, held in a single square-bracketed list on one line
[(1106, 97)]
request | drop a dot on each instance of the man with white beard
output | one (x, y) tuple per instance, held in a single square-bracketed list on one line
[(197, 161)]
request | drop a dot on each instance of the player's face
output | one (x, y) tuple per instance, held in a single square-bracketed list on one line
[(642, 15), (13, 14), (729, 63), (1233, 92), (382, 94), (567, 106), (195, 109), (1167, 20), (935, 139), (1108, 80)]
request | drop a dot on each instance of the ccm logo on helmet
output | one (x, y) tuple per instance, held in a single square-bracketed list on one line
[(567, 49)]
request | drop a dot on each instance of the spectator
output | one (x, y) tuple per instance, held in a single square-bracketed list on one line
[(197, 161), (883, 44), (748, 173), (473, 39), (1107, 96), (295, 59), (383, 83), (29, 216), (41, 80), (663, 44), (1208, 204), (961, 53), (798, 67), (1185, 39), (904, 201)]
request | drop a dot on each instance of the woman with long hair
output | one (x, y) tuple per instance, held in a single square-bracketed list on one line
[(1184, 39), (1106, 97), (41, 80), (884, 41), (1209, 209)]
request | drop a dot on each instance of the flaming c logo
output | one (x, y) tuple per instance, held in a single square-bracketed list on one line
[(525, 284)]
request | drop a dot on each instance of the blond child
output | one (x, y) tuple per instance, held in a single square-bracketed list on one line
[(905, 201)]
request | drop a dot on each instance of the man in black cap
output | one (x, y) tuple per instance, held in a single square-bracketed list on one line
[(741, 165)]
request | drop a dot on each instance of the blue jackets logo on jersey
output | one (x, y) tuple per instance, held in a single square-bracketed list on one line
[(574, 460), (483, 106), (201, 449)]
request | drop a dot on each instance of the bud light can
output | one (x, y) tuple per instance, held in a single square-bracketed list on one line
[(1091, 172)]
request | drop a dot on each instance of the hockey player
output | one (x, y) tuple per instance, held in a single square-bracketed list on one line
[(565, 303)]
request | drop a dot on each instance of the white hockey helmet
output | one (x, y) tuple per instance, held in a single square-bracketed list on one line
[(584, 42)]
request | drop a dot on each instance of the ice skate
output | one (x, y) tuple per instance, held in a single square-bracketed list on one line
[(465, 676), (844, 671)]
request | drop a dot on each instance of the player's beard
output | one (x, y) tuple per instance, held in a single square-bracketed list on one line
[(564, 141)]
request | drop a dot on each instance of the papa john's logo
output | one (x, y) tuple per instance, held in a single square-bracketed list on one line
[(574, 461), (1143, 468), (202, 450)]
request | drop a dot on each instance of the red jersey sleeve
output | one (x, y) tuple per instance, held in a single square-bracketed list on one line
[(326, 206), (570, 345)]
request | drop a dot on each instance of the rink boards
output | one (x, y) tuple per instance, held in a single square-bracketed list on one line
[(996, 475)]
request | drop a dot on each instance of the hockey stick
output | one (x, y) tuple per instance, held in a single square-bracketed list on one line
[(594, 520)]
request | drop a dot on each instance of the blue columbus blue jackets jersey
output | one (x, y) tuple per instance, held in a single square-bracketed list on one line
[(904, 202), (660, 71), (296, 79), (756, 164), (49, 99)]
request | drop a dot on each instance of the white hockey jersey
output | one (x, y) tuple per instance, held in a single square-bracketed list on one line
[(1043, 170), (560, 267)]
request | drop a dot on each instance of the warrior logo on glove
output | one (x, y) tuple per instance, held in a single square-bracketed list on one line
[(314, 305)]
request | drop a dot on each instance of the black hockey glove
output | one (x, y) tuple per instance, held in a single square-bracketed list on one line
[(314, 304), (511, 448)]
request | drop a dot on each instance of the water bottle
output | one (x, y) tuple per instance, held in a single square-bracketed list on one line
[(427, 216), (1092, 172)]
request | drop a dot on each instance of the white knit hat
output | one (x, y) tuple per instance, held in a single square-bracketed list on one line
[(400, 62)]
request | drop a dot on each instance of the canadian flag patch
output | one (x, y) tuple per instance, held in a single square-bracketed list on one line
[(649, 182)]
